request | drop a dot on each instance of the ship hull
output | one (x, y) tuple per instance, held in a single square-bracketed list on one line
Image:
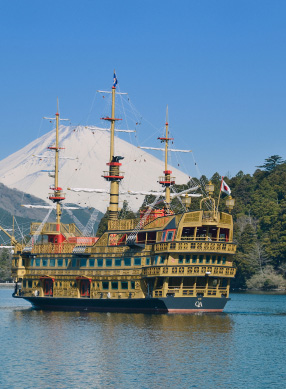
[(147, 305)]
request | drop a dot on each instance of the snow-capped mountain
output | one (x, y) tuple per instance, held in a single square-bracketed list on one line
[(82, 162)]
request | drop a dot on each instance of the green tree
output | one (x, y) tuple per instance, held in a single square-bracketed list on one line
[(5, 265), (103, 225), (126, 212), (271, 163)]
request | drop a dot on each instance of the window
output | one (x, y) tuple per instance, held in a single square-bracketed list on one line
[(132, 284), (156, 259), (194, 259), (91, 262), (114, 285), (108, 262), (218, 259), (83, 262), (170, 235), (188, 233), (208, 259), (38, 262), (163, 236), (60, 262), (162, 260), (137, 261), (45, 262), (223, 260), (105, 285), (188, 258), (52, 262), (67, 262), (127, 261), (201, 259), (124, 285), (147, 261), (30, 284), (32, 262), (24, 283), (181, 259), (117, 262), (213, 258), (100, 262), (74, 262)]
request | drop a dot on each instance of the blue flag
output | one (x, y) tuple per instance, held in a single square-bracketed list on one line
[(114, 80)]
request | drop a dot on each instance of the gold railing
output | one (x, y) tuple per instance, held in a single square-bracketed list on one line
[(196, 247), (173, 271), (131, 224), (50, 248), (192, 291), (52, 228)]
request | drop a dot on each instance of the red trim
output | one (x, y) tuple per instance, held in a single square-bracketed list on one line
[(57, 114), (167, 171), (167, 182), (56, 198), (165, 138), (58, 188), (118, 177), (114, 164), (166, 233)]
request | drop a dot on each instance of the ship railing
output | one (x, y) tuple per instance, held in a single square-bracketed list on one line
[(191, 291), (195, 270), (220, 217), (70, 229), (131, 224), (50, 248), (197, 246)]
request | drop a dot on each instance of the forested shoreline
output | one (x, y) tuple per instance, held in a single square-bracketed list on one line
[(259, 225)]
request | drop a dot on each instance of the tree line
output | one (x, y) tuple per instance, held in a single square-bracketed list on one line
[(259, 224)]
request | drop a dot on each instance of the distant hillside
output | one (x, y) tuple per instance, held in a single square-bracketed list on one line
[(260, 225), (10, 205)]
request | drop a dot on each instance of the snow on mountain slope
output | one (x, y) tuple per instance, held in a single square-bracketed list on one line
[(85, 155)]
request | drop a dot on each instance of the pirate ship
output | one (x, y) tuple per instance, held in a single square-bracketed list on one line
[(161, 262)]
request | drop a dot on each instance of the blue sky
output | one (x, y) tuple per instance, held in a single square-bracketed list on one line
[(219, 65)]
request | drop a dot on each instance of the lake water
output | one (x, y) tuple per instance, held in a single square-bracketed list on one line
[(241, 348)]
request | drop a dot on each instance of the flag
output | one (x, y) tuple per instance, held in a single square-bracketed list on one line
[(225, 188), (114, 80)]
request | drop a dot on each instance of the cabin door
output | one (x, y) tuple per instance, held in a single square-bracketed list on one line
[(84, 288), (48, 287)]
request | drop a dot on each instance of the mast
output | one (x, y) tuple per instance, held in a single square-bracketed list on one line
[(57, 196), (113, 175), (167, 181)]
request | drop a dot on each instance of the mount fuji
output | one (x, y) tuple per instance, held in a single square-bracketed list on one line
[(82, 162)]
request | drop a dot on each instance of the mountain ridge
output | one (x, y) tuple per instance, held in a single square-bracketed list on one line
[(85, 155)]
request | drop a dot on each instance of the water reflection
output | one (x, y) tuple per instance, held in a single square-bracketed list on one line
[(75, 349), (116, 346)]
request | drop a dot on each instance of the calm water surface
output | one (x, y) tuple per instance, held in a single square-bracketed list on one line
[(241, 348)]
